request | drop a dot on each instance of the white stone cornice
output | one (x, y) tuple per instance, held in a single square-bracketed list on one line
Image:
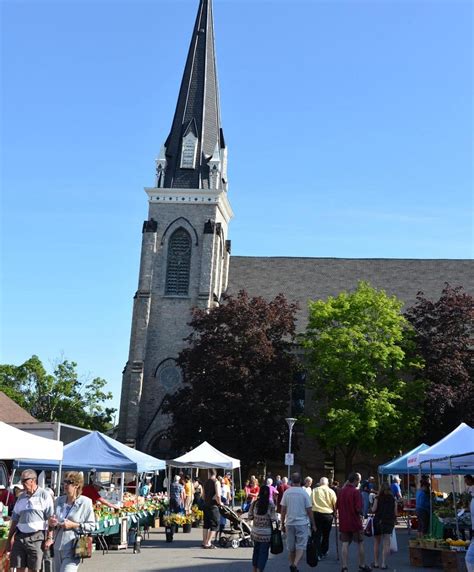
[(192, 196)]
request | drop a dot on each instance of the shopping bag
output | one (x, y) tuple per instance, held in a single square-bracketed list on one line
[(83, 548), (393, 542), (276, 541), (369, 526), (312, 551)]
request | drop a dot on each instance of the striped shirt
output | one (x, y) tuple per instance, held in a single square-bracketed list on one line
[(31, 513)]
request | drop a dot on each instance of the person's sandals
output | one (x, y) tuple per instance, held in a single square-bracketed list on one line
[(365, 569), (383, 567), (344, 569), (373, 565)]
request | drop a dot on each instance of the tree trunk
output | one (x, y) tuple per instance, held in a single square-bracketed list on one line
[(349, 453)]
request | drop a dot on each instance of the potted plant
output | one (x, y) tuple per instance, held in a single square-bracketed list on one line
[(173, 520), (197, 516), (187, 522)]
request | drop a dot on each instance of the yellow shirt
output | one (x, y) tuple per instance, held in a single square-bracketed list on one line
[(188, 489), (324, 499)]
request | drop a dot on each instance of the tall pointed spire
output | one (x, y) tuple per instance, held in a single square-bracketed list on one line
[(196, 132)]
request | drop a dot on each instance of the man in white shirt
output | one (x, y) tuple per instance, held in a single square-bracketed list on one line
[(296, 515), (29, 524)]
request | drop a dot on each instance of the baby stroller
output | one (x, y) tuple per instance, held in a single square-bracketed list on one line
[(238, 534)]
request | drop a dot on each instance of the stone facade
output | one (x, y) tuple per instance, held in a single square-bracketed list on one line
[(160, 321)]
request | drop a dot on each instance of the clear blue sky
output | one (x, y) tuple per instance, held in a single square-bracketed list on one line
[(349, 127)]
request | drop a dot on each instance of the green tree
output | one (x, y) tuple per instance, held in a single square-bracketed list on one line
[(58, 396), (358, 372), (238, 372)]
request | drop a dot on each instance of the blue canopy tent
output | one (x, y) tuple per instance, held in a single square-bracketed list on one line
[(98, 452), (399, 466)]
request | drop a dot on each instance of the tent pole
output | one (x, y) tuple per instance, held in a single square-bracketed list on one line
[(454, 496), (431, 498), (12, 476), (58, 483), (136, 488), (240, 481), (122, 483)]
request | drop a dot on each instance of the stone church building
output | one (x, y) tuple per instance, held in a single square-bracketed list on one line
[(186, 253)]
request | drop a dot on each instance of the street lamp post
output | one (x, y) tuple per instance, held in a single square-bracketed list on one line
[(291, 421)]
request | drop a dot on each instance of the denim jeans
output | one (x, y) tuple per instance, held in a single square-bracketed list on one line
[(470, 556), (65, 562), (260, 554)]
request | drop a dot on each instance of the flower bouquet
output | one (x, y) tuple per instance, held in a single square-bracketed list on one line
[(197, 515)]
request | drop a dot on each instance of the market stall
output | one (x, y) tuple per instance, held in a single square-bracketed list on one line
[(205, 456), (399, 466), (451, 527), (13, 443), (98, 452)]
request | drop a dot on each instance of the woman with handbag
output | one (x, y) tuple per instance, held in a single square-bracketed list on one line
[(385, 516), (73, 517), (262, 513)]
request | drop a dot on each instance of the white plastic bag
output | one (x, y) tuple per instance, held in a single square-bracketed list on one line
[(393, 542)]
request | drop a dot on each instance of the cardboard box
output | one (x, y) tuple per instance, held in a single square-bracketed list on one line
[(453, 561), (424, 558)]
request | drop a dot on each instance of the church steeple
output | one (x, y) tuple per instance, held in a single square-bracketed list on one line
[(194, 154)]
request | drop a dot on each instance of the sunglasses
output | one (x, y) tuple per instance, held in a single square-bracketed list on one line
[(26, 480), (66, 482)]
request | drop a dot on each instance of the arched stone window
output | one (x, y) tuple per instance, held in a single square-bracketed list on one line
[(178, 263)]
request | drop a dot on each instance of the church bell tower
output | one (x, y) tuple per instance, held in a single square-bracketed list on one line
[(185, 248)]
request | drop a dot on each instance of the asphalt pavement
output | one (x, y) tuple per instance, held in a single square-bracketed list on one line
[(185, 553)]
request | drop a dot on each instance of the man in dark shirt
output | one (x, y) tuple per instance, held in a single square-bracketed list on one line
[(349, 506), (281, 489), (212, 500)]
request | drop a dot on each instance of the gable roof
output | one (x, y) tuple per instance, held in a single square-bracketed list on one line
[(11, 412), (303, 279)]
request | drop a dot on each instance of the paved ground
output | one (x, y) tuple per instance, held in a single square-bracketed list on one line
[(184, 553)]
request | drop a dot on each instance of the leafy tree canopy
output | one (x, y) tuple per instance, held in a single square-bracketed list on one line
[(58, 396), (238, 372), (356, 349), (443, 334)]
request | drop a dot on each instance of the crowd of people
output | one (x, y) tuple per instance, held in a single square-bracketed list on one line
[(39, 521)]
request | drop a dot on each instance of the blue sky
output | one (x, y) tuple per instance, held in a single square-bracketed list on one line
[(349, 127)]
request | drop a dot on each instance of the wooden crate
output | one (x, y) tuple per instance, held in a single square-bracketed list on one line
[(424, 558), (453, 561)]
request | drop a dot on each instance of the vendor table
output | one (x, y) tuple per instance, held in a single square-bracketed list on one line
[(113, 532)]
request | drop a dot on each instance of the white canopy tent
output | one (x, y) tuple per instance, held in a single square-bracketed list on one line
[(205, 456), (18, 444), (454, 452)]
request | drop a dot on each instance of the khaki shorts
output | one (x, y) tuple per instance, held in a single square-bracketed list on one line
[(296, 536), (357, 536), (27, 551)]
